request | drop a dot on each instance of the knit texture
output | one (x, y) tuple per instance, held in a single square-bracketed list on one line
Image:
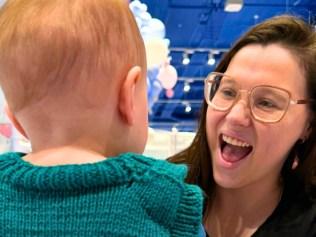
[(130, 195)]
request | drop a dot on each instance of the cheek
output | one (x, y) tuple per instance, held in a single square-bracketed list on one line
[(269, 143), (274, 143)]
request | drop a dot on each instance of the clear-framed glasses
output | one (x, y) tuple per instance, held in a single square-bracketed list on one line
[(267, 104)]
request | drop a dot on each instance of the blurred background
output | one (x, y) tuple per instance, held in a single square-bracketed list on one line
[(199, 33), (184, 39)]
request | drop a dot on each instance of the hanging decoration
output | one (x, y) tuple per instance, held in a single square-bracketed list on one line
[(168, 77), (154, 87), (161, 75), (153, 32)]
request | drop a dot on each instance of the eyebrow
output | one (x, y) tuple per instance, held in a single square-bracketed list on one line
[(230, 81)]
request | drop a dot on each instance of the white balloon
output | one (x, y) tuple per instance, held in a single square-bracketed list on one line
[(146, 17), (153, 32), (156, 51), (134, 5), (137, 8), (157, 28), (167, 42), (144, 7)]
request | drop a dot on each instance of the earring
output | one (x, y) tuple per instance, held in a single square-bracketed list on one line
[(294, 159), (298, 148), (295, 163)]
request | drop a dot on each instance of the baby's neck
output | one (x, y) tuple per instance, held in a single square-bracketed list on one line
[(63, 156)]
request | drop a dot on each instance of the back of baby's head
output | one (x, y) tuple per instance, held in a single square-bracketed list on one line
[(65, 48)]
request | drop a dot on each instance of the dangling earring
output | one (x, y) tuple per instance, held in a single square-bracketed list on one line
[(293, 160), (297, 150), (295, 163)]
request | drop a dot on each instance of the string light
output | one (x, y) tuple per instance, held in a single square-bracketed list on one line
[(211, 60), (188, 108), (186, 87), (186, 59), (233, 5)]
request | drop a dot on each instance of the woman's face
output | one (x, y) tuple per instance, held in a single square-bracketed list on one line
[(268, 143)]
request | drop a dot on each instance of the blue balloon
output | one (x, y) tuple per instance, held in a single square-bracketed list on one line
[(154, 87)]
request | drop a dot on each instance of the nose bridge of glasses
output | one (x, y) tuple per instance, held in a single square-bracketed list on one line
[(243, 96), (241, 106), (241, 103), (240, 111)]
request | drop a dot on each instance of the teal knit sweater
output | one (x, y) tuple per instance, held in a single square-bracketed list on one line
[(130, 195)]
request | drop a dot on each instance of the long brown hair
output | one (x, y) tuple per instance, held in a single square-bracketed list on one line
[(299, 38)]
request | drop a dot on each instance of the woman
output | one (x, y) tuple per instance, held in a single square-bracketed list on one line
[(255, 149)]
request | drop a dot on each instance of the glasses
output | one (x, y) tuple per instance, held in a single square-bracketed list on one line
[(267, 104)]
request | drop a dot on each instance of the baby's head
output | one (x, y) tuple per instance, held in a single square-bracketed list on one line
[(51, 47), (67, 57)]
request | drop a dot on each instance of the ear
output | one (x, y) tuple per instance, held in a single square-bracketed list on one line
[(306, 133), (14, 121), (127, 94)]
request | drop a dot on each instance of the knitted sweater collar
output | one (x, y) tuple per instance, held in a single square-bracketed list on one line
[(112, 171)]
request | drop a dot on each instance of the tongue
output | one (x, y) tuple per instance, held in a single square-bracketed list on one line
[(233, 153)]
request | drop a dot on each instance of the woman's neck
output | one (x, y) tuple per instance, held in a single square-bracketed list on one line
[(239, 212)]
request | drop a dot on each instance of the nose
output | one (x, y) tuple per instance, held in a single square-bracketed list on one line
[(239, 114)]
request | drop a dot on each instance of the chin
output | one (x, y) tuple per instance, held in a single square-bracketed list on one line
[(225, 182)]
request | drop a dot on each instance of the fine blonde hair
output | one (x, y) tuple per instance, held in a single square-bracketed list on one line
[(52, 48)]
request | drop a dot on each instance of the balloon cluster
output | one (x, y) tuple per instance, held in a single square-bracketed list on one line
[(161, 75), (2, 2)]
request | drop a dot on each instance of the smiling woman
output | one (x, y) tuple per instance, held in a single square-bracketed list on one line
[(254, 153)]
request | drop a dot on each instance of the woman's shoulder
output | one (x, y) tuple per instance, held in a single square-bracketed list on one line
[(294, 216)]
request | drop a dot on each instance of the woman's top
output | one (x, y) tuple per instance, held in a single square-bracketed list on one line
[(129, 195), (295, 215)]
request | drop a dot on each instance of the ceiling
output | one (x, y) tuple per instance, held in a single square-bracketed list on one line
[(200, 26)]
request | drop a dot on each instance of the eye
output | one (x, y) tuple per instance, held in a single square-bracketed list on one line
[(228, 93), (266, 104)]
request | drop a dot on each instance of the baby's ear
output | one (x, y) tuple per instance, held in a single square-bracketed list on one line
[(14, 121), (127, 94)]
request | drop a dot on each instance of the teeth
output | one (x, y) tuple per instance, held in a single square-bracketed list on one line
[(235, 142)]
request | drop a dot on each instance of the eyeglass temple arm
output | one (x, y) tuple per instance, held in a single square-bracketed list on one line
[(300, 101)]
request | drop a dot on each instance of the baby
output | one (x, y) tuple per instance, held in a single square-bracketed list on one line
[(74, 76)]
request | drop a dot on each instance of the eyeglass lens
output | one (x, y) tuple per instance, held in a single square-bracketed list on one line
[(267, 103)]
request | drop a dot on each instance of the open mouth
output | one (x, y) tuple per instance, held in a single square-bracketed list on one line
[(234, 150)]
